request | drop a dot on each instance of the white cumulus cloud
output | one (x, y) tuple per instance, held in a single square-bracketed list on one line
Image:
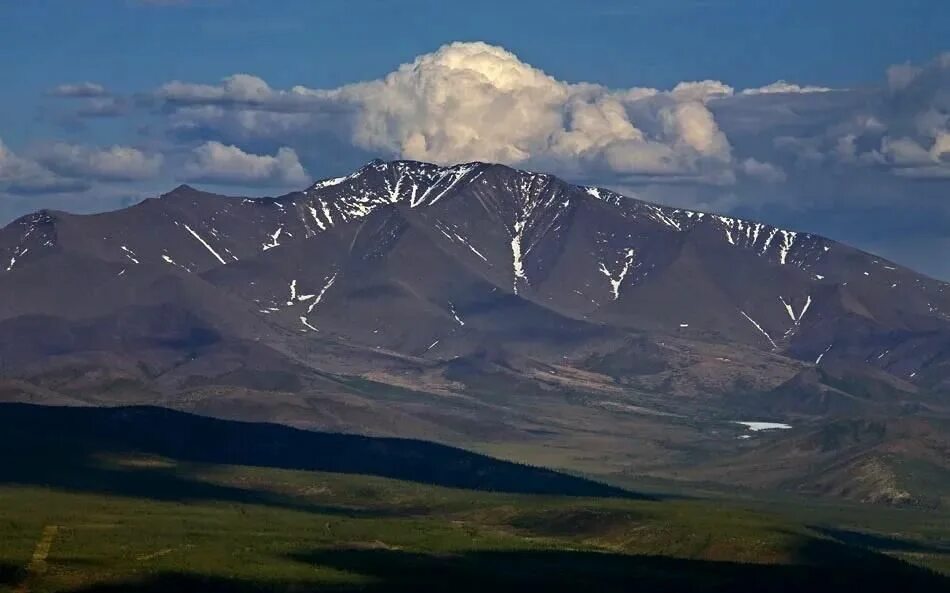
[(762, 171), (782, 87), (116, 163), (474, 101), (702, 90), (80, 90), (25, 176), (215, 162)]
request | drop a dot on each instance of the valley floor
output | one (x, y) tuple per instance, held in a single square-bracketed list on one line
[(157, 524)]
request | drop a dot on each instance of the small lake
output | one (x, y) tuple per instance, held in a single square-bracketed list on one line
[(757, 426)]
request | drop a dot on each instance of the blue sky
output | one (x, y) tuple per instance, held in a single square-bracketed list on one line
[(862, 160)]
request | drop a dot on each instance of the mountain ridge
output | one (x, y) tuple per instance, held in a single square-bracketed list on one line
[(745, 228), (472, 304)]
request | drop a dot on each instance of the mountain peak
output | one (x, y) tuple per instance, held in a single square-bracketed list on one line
[(419, 170), (183, 190)]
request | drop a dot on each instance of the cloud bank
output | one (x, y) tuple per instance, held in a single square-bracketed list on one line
[(473, 101)]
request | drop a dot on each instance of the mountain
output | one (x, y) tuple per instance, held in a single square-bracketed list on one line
[(496, 309)]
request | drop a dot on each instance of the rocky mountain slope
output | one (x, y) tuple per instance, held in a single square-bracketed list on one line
[(488, 307)]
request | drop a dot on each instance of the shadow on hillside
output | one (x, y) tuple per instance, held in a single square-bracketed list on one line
[(11, 574), (54, 445), (880, 542), (79, 472), (831, 568)]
